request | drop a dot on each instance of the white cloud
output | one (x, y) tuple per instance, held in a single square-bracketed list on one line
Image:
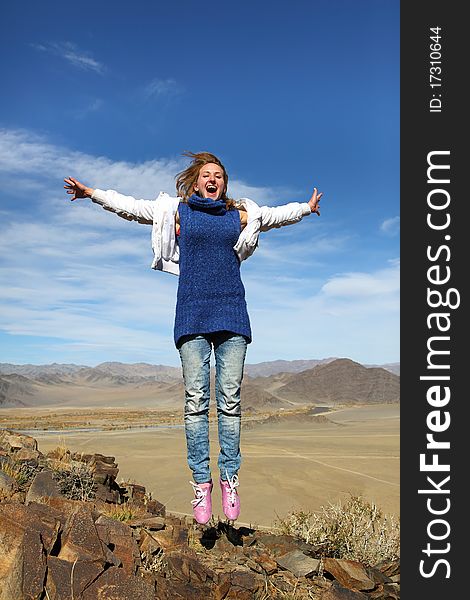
[(31, 156), (69, 51), (158, 88), (391, 226), (363, 286), (308, 244)]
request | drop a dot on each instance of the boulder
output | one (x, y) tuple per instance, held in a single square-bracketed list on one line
[(155, 507), (350, 573), (13, 441), (265, 561), (28, 534), (105, 493), (118, 538), (245, 579), (134, 491), (8, 485), (298, 563), (42, 486), (104, 473), (281, 544), (80, 540), (67, 580), (29, 456)]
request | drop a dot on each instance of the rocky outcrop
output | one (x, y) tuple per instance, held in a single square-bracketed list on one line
[(57, 547)]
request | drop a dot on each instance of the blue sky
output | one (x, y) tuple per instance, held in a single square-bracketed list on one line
[(290, 96)]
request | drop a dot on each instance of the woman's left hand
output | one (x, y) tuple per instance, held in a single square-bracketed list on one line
[(314, 201)]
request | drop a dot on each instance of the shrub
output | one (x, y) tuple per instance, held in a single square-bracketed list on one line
[(155, 563), (75, 480), (356, 530)]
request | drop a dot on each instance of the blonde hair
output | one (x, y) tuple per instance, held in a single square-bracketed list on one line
[(186, 180)]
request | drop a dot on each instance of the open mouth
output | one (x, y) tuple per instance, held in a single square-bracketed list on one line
[(211, 188)]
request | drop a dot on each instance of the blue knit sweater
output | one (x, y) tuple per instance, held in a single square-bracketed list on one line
[(211, 296)]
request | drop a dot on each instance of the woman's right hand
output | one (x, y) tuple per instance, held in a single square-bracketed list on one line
[(77, 189)]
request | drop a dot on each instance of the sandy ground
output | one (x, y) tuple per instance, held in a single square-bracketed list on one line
[(284, 467)]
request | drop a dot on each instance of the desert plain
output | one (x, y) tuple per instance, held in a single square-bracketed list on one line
[(290, 463)]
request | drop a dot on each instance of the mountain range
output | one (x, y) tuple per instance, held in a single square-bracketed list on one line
[(266, 386)]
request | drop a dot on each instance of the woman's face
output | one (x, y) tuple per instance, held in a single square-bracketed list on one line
[(210, 182)]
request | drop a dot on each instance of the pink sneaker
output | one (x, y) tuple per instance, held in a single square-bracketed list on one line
[(230, 498), (202, 503)]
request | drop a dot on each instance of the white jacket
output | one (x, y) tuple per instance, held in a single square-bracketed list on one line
[(160, 213)]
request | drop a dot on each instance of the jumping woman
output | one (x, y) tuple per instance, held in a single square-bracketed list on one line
[(202, 235)]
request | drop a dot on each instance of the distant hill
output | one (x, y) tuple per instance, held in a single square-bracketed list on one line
[(33, 371), (265, 369), (341, 381), (64, 372), (156, 372), (255, 398), (15, 390), (392, 367)]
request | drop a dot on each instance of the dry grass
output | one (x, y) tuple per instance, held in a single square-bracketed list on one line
[(62, 452), (17, 472), (357, 530), (22, 472), (272, 592), (124, 512)]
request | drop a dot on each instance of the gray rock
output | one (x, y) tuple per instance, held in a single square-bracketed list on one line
[(7, 483), (14, 441), (43, 486), (298, 563)]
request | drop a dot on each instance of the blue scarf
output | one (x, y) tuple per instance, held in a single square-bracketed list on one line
[(215, 207)]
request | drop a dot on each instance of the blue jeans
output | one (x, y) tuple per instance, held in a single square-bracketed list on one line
[(195, 353)]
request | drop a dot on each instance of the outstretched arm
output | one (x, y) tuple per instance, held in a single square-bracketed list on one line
[(287, 214), (125, 206)]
